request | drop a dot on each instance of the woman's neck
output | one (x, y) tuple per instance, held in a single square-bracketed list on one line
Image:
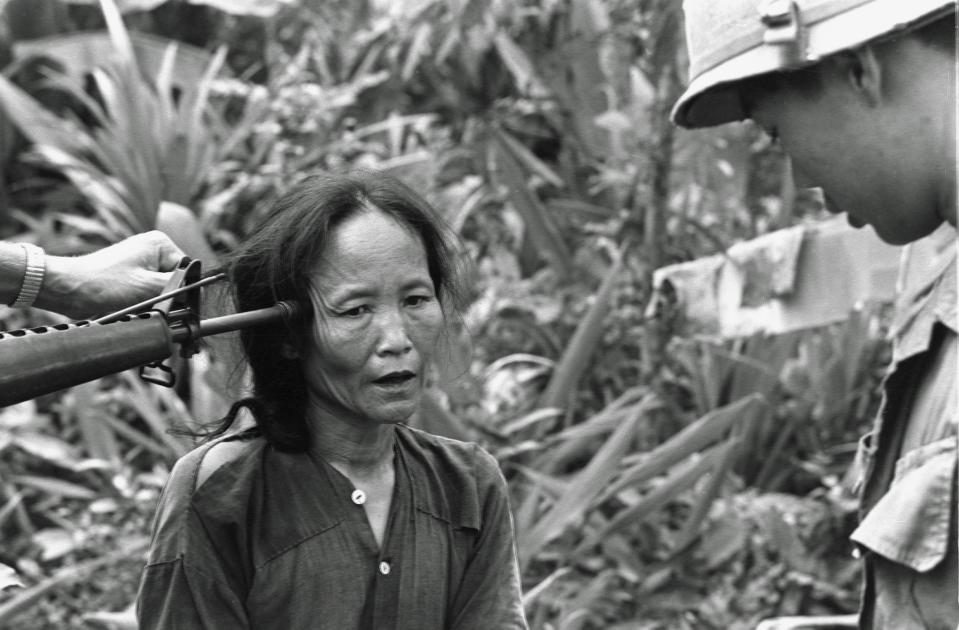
[(347, 442)]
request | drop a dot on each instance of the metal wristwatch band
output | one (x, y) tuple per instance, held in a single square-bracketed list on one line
[(32, 278)]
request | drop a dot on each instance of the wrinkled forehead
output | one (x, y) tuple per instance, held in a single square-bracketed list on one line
[(370, 248)]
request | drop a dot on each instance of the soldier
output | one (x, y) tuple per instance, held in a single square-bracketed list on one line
[(861, 94)]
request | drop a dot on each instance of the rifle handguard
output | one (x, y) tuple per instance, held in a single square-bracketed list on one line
[(49, 358)]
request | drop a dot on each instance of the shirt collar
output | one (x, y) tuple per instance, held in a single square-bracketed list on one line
[(912, 333)]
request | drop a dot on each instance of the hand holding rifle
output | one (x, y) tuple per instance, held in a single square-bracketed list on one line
[(105, 280)]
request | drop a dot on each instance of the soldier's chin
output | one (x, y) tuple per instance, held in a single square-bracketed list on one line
[(856, 222), (829, 204)]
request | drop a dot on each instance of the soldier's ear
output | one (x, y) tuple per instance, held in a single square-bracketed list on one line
[(862, 71)]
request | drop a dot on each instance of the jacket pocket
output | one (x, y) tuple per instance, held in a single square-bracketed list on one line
[(910, 523)]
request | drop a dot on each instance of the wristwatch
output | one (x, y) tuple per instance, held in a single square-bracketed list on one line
[(33, 277)]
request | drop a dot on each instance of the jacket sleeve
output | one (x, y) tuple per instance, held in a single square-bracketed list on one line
[(490, 594)]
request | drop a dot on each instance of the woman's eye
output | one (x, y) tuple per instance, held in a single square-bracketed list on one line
[(418, 300), (356, 311)]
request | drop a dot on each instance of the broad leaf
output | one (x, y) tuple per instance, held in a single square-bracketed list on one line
[(8, 577), (576, 357), (581, 491)]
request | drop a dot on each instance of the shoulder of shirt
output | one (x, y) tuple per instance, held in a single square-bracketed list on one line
[(431, 441), (180, 494), (197, 467), (223, 453), (451, 452), (454, 480)]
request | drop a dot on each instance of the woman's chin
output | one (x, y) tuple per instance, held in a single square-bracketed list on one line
[(394, 413)]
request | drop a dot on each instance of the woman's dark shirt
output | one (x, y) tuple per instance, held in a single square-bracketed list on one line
[(274, 540)]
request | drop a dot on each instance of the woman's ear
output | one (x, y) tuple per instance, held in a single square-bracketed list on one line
[(293, 340), (288, 351)]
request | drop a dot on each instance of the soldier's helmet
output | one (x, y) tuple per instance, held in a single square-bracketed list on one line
[(731, 40)]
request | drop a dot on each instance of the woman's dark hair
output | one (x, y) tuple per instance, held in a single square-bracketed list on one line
[(274, 264)]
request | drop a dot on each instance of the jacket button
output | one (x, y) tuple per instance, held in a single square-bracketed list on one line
[(358, 497)]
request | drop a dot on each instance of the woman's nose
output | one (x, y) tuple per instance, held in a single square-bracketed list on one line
[(394, 338)]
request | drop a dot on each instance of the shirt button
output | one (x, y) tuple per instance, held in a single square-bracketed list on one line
[(358, 497), (385, 568), (856, 553)]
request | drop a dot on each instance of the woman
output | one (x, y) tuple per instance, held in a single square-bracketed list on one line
[(331, 513)]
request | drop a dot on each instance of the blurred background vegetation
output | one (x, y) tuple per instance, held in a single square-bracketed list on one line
[(658, 480)]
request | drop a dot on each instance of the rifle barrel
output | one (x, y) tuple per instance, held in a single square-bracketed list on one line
[(281, 312)]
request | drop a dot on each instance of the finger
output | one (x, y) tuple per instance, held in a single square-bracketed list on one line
[(168, 255), (149, 284)]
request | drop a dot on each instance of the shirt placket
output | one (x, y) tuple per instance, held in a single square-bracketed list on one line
[(386, 598), (381, 609), (877, 468)]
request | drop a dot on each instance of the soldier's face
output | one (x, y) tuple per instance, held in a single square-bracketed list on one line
[(866, 156)]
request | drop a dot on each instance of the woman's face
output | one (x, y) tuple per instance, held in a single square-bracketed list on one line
[(376, 319)]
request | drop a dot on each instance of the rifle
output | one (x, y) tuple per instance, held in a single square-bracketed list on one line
[(42, 360)]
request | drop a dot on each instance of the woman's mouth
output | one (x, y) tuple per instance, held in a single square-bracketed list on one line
[(395, 380)]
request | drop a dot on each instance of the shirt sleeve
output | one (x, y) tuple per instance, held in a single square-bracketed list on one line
[(489, 595), (175, 595), (188, 581)]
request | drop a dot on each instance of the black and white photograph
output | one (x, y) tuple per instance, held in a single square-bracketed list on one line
[(479, 315)]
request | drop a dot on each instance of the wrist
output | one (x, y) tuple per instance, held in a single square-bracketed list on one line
[(62, 290), (61, 285)]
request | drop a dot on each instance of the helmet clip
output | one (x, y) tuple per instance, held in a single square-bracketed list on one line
[(784, 29)]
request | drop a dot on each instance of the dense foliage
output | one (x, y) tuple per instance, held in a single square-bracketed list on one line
[(658, 481)]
